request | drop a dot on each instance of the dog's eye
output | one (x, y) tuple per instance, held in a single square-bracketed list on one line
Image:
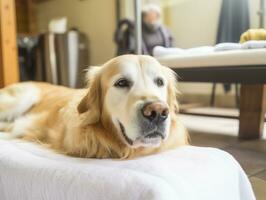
[(159, 82), (122, 83)]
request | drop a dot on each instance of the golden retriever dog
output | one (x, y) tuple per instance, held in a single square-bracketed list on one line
[(129, 109)]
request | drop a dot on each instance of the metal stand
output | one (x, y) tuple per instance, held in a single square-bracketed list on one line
[(138, 31)]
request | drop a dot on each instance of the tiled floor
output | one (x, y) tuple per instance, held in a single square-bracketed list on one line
[(250, 154)]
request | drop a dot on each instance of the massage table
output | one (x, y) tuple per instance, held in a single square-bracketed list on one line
[(28, 172), (247, 67)]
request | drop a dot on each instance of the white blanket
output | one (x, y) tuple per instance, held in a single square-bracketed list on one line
[(216, 59), (160, 51), (29, 172)]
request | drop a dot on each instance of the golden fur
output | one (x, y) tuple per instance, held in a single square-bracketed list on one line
[(253, 34), (75, 122)]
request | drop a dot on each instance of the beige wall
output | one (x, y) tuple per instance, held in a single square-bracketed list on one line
[(195, 22), (96, 18)]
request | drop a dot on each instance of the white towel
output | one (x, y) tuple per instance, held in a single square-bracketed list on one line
[(162, 51), (227, 46), (189, 173)]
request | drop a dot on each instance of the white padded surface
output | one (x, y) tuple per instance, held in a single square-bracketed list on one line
[(213, 59), (189, 173)]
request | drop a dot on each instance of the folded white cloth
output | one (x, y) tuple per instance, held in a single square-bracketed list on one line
[(160, 51), (189, 173), (58, 25), (254, 44)]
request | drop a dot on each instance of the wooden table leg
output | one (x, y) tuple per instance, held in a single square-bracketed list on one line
[(9, 71), (252, 110)]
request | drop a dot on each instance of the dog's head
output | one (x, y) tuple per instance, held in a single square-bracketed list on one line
[(136, 95)]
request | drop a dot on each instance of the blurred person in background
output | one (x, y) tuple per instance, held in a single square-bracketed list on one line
[(154, 33)]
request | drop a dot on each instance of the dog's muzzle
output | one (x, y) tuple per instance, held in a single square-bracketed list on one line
[(152, 119), (152, 122)]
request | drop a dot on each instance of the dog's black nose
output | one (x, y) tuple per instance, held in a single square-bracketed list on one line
[(155, 111)]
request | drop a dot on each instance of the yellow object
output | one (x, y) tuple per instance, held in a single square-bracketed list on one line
[(253, 34)]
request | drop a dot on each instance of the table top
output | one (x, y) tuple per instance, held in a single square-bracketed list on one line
[(235, 66)]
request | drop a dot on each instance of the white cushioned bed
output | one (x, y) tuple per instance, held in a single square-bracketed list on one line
[(27, 171), (212, 59)]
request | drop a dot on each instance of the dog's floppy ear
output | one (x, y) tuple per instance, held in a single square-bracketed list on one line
[(91, 102), (172, 90)]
